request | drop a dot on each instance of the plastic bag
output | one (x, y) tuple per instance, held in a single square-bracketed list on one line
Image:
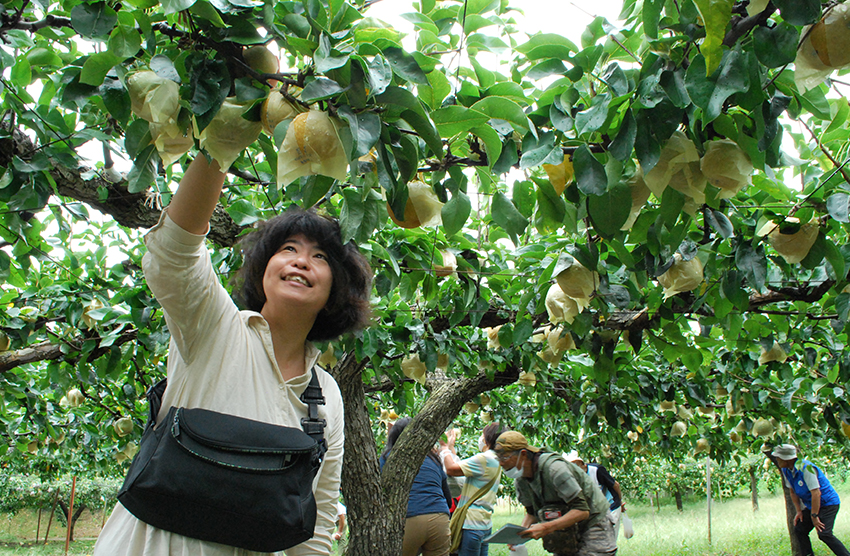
[(628, 529), (519, 550)]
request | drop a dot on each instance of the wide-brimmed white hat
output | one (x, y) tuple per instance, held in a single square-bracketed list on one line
[(785, 451)]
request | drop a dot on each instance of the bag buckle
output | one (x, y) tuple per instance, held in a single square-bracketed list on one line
[(313, 426)]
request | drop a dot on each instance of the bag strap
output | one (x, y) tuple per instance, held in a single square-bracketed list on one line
[(154, 396), (459, 515), (311, 425)]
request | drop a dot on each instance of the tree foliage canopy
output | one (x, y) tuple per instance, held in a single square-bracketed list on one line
[(674, 175)]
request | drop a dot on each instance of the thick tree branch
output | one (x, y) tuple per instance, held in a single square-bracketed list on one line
[(132, 210), (740, 26), (48, 351)]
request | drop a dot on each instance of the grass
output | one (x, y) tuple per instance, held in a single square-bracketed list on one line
[(736, 530), (18, 534)]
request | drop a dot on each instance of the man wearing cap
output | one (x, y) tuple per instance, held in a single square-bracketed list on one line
[(813, 496), (563, 506)]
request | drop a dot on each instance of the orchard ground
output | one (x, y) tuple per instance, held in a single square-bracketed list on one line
[(736, 530)]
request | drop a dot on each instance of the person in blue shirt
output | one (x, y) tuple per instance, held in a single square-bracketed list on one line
[(426, 529), (816, 501)]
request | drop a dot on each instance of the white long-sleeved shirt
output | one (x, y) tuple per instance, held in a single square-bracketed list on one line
[(222, 359)]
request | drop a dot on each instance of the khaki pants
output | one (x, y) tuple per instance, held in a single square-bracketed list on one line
[(427, 534)]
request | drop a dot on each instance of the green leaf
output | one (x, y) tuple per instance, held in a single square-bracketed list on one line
[(209, 85), (776, 46), (609, 211), (799, 12), (720, 223), (506, 215), (838, 206), (243, 212), (440, 88), (492, 143), (546, 45), (116, 99), (709, 93), (623, 144), (315, 189), (365, 129), (732, 289), (380, 74), (543, 150), (143, 172), (174, 6), (137, 137), (503, 109), (206, 11), (455, 213), (324, 59), (124, 41), (715, 16), (546, 68), (551, 207), (592, 119), (93, 20), (842, 306), (834, 258), (751, 260), (163, 66), (454, 120), (320, 89), (22, 72), (651, 15), (414, 115), (405, 66), (590, 173), (96, 67)]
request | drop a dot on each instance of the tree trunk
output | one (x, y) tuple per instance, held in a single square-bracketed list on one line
[(374, 524), (71, 520), (377, 502), (678, 495), (790, 511), (754, 488)]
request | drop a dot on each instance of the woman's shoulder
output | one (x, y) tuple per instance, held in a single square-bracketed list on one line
[(330, 388)]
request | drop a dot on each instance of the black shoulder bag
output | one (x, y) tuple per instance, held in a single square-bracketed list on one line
[(227, 479)]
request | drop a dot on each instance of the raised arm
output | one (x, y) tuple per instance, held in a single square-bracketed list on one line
[(197, 195)]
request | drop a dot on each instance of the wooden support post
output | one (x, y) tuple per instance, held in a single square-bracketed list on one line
[(52, 512), (70, 515), (708, 493)]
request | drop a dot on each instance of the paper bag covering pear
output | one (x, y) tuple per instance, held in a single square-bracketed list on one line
[(156, 100), (311, 146), (228, 134)]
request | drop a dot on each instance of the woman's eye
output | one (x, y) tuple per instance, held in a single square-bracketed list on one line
[(322, 256)]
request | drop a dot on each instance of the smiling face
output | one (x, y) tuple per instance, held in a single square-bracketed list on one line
[(299, 274)]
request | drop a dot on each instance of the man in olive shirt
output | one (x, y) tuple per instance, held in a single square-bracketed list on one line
[(563, 506)]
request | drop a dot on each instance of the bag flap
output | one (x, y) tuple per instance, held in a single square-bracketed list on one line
[(238, 434)]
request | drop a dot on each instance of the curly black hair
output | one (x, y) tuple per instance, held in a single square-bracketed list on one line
[(348, 306)]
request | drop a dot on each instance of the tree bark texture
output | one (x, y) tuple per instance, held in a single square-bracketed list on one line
[(71, 520), (678, 495), (377, 501), (790, 512), (754, 488)]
